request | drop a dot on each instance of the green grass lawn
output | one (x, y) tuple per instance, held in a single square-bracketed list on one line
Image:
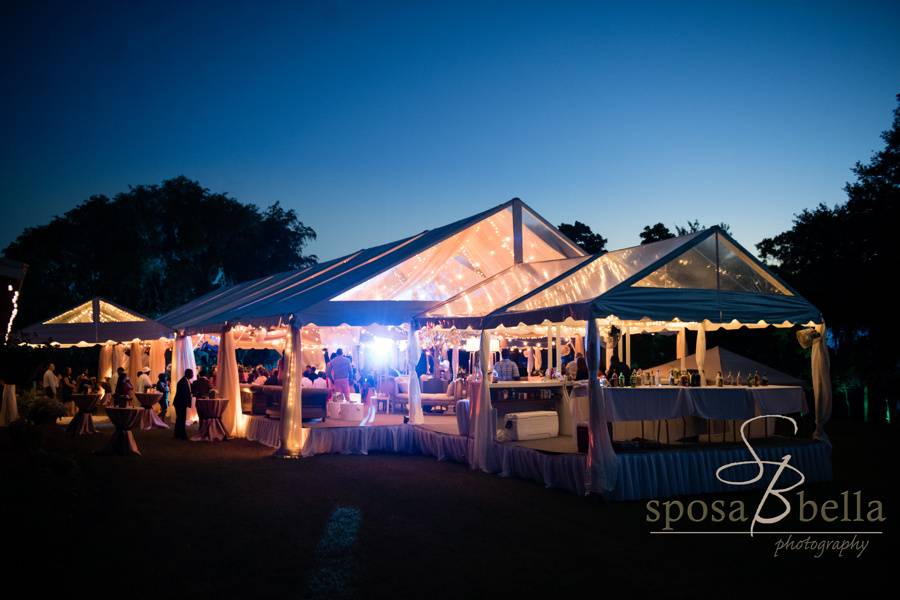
[(226, 519)]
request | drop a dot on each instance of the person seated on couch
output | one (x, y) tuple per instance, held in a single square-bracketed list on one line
[(505, 369)]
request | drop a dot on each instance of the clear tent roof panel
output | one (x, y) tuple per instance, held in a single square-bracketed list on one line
[(599, 275), (714, 263), (84, 313), (503, 288), (463, 260)]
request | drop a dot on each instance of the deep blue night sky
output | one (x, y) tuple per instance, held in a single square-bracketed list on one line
[(378, 119)]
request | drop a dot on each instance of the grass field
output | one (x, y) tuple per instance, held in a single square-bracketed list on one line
[(228, 520)]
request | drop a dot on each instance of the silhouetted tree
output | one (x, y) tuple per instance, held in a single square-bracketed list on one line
[(153, 248), (655, 233), (843, 259), (695, 226), (581, 234)]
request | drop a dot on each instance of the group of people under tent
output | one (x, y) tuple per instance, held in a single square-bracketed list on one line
[(117, 390)]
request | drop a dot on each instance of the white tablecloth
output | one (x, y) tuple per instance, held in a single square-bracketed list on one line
[(663, 402)]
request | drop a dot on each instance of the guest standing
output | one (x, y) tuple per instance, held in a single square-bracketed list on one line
[(144, 382), (124, 389), (162, 386), (50, 382), (505, 369), (181, 402), (340, 369)]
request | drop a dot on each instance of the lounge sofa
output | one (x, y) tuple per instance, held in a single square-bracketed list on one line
[(267, 401), (435, 392)]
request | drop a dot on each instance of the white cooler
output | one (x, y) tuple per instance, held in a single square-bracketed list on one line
[(535, 425)]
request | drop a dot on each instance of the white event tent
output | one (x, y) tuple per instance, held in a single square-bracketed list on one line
[(702, 281), (379, 290), (101, 322)]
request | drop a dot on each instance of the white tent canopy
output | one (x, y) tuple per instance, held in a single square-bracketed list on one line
[(96, 321), (726, 361)]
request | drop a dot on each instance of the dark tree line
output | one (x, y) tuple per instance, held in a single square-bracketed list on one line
[(153, 248), (843, 259)]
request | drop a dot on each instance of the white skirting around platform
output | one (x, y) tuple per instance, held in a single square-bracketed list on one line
[(641, 475), (398, 439), (265, 431), (664, 474)]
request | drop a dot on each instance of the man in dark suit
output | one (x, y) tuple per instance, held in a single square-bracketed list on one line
[(181, 402)]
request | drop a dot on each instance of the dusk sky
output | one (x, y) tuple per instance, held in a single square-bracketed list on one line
[(375, 120)]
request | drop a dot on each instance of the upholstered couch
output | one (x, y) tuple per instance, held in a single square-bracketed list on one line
[(267, 401), (434, 392)]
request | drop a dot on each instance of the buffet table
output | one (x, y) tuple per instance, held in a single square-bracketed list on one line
[(668, 409)]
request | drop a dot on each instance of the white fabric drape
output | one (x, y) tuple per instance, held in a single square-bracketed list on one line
[(538, 359), (681, 348), (483, 423), (609, 346), (105, 366), (135, 362), (415, 392), (549, 348), (602, 462), (455, 361), (701, 353), (529, 356), (628, 348), (157, 359), (620, 350), (183, 358), (821, 380), (9, 412), (558, 349), (119, 358), (291, 395), (229, 386)]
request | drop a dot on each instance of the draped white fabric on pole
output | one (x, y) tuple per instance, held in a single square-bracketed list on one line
[(119, 358), (135, 362), (529, 355), (415, 392), (701, 352), (483, 421), (105, 366), (229, 386), (601, 459), (620, 350), (538, 359), (559, 349), (821, 380), (9, 412), (291, 395), (183, 358), (157, 359), (549, 348), (628, 348), (681, 348), (609, 346), (455, 366)]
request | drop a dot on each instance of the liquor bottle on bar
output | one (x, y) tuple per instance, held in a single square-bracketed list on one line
[(729, 380), (719, 381), (765, 379), (622, 379)]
